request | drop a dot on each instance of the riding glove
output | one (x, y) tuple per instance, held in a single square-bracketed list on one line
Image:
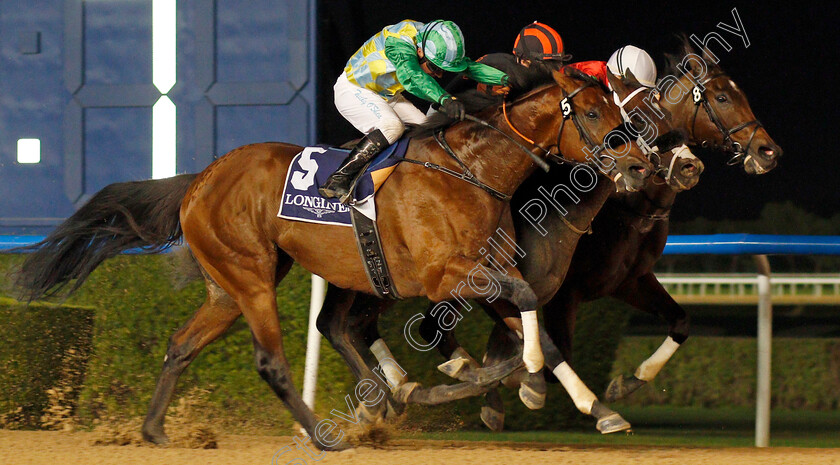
[(453, 108)]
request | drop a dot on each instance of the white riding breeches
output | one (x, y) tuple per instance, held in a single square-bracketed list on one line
[(366, 110)]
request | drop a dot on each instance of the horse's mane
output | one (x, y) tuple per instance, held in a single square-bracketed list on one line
[(475, 101), (672, 61)]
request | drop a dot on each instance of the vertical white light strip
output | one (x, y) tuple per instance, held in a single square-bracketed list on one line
[(163, 44), (164, 141), (163, 138)]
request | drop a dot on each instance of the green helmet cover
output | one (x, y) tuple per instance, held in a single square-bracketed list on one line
[(443, 44)]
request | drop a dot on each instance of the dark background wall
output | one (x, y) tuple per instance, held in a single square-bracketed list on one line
[(788, 72)]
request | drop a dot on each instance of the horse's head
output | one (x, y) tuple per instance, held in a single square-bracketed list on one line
[(594, 133), (708, 104), (646, 122), (679, 168)]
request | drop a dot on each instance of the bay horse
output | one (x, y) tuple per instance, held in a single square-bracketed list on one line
[(630, 232), (352, 330), (432, 227)]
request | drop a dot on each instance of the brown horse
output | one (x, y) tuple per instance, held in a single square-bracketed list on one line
[(629, 234), (353, 330), (432, 227)]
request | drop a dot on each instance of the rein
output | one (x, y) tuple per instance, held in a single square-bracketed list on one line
[(698, 93), (465, 176)]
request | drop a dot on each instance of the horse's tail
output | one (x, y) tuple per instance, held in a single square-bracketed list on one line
[(142, 215)]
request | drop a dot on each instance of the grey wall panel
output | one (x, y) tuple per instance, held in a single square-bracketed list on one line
[(244, 74)]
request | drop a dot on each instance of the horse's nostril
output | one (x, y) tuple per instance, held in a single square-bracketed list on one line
[(767, 152), (638, 170), (688, 169)]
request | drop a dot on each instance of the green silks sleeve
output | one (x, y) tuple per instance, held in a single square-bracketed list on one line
[(404, 57), (486, 74)]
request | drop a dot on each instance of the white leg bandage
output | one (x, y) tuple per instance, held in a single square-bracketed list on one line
[(580, 394), (533, 355), (650, 367), (395, 375)]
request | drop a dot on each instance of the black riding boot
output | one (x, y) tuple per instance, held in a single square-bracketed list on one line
[(338, 184)]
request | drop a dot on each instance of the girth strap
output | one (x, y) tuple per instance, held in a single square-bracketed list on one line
[(373, 258)]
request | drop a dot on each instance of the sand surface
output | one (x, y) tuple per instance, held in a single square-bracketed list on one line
[(54, 448)]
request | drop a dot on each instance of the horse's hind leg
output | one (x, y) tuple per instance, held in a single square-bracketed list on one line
[(247, 267), (211, 320), (259, 307)]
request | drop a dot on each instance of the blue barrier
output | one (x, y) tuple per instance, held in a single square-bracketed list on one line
[(713, 244), (11, 242), (752, 244)]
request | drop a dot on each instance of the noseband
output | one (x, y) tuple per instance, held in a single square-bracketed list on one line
[(698, 94)]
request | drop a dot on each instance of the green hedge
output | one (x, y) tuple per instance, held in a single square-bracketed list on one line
[(718, 372), (138, 310), (44, 348)]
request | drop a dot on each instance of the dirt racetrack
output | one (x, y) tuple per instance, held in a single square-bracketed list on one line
[(46, 447)]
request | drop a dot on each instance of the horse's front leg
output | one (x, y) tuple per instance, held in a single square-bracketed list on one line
[(459, 361), (335, 323), (648, 295), (465, 279)]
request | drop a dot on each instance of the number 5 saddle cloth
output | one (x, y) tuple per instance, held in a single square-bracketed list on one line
[(311, 168)]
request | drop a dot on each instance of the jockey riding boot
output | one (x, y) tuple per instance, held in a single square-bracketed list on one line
[(338, 184)]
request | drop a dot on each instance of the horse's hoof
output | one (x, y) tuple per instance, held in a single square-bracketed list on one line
[(453, 367), (612, 423), (155, 436), (369, 415), (493, 412), (342, 445), (622, 386), (394, 409), (403, 392), (532, 391)]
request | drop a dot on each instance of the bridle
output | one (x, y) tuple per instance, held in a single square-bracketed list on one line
[(553, 152), (698, 94), (652, 152)]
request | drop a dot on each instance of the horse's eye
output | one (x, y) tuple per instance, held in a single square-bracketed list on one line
[(722, 98), (591, 114)]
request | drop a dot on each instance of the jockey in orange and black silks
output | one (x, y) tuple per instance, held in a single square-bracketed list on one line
[(401, 57)]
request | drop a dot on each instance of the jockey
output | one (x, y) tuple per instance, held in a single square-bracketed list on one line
[(626, 58), (537, 51), (401, 57)]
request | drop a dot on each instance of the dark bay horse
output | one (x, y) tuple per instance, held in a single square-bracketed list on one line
[(433, 229), (630, 232), (353, 330)]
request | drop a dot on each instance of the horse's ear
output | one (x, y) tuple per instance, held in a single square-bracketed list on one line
[(576, 73), (687, 48), (616, 82), (558, 75), (567, 71), (630, 80)]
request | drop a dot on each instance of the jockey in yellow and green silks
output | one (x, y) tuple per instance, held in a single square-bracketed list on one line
[(401, 57)]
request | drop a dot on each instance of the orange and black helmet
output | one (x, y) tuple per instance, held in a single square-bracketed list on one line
[(537, 41)]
